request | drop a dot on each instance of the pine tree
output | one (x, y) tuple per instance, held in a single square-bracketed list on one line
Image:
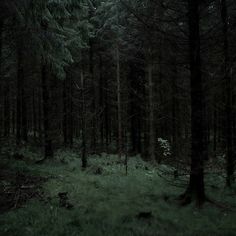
[(196, 183)]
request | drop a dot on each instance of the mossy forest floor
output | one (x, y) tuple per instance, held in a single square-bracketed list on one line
[(57, 198)]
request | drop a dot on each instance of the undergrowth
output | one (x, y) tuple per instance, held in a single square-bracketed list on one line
[(107, 202)]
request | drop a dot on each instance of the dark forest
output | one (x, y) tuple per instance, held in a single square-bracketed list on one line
[(117, 117)]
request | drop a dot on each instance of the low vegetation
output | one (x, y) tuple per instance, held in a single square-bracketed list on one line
[(68, 201)]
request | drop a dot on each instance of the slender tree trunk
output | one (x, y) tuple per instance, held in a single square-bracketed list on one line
[(24, 112), (151, 109), (162, 131), (22, 129), (134, 110), (71, 120), (228, 87), (48, 150), (6, 88), (234, 113), (34, 128), (93, 107), (196, 184), (120, 142), (83, 116), (7, 110), (175, 115), (106, 116), (13, 120), (145, 126), (68, 111), (40, 116), (206, 130), (65, 112), (215, 114), (20, 78), (1, 75), (101, 101)]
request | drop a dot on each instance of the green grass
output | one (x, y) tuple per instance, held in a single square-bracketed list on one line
[(108, 204)]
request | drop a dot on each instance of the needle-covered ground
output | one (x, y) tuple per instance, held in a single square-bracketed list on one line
[(102, 200)]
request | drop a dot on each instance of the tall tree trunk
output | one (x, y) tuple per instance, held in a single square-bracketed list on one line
[(1, 75), (106, 115), (48, 150), (215, 131), (24, 112), (145, 126), (68, 111), (20, 78), (175, 114), (34, 128), (22, 129), (101, 102), (65, 112), (84, 125), (70, 118), (93, 107), (162, 130), (40, 116), (151, 108), (120, 142), (134, 110), (13, 121), (195, 188), (228, 88), (6, 88), (7, 109)]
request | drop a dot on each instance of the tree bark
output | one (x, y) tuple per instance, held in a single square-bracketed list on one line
[(1, 75), (7, 117), (196, 184), (175, 114), (151, 108), (93, 107), (119, 116), (48, 150), (22, 129), (106, 115), (65, 112), (228, 88), (134, 110), (101, 102), (215, 131), (84, 125), (70, 116), (20, 78), (34, 126), (40, 116), (24, 112)]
